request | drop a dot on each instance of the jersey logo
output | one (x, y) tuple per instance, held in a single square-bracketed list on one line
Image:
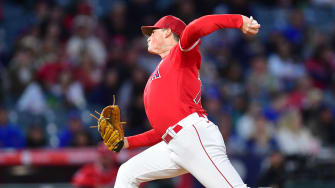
[(156, 75), (197, 98)]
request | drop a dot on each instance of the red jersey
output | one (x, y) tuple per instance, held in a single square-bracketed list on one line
[(91, 175), (173, 90)]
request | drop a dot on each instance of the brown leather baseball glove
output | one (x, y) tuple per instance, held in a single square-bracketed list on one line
[(110, 127)]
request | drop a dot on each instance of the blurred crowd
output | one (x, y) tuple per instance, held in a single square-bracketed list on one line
[(271, 95)]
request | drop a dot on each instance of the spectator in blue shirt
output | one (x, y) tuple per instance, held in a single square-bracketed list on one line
[(75, 134), (10, 135)]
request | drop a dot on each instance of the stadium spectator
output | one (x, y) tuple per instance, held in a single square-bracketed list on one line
[(116, 21), (329, 96), (323, 126), (295, 30), (36, 137), (273, 173), (21, 72), (297, 98), (245, 125), (85, 42), (33, 100), (232, 85), (262, 141), (110, 85), (259, 81), (87, 72), (293, 137), (70, 90), (100, 174), (282, 64), (321, 66), (10, 134), (132, 87), (74, 134), (276, 105)]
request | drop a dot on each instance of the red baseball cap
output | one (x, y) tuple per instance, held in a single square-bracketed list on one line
[(176, 25)]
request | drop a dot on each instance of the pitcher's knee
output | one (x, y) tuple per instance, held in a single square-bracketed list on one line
[(126, 177), (124, 170)]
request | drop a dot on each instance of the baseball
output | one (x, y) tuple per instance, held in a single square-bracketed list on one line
[(254, 22)]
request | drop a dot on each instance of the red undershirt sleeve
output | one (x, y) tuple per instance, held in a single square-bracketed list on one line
[(148, 138), (206, 25)]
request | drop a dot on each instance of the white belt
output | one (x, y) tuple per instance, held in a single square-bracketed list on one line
[(189, 120)]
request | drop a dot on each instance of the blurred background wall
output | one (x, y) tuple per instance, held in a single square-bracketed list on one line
[(272, 96)]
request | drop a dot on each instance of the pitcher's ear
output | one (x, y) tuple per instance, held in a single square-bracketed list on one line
[(167, 32)]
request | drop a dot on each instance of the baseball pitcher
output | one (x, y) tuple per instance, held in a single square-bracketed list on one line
[(182, 139)]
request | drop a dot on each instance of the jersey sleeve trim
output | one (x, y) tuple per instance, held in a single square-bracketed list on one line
[(190, 48)]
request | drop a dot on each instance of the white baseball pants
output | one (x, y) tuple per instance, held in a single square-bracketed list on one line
[(198, 148)]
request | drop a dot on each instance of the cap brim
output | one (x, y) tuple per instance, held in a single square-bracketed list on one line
[(147, 30)]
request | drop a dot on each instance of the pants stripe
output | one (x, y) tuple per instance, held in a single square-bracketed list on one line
[(210, 157)]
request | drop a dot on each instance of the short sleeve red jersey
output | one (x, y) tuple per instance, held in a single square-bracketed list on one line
[(173, 90)]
